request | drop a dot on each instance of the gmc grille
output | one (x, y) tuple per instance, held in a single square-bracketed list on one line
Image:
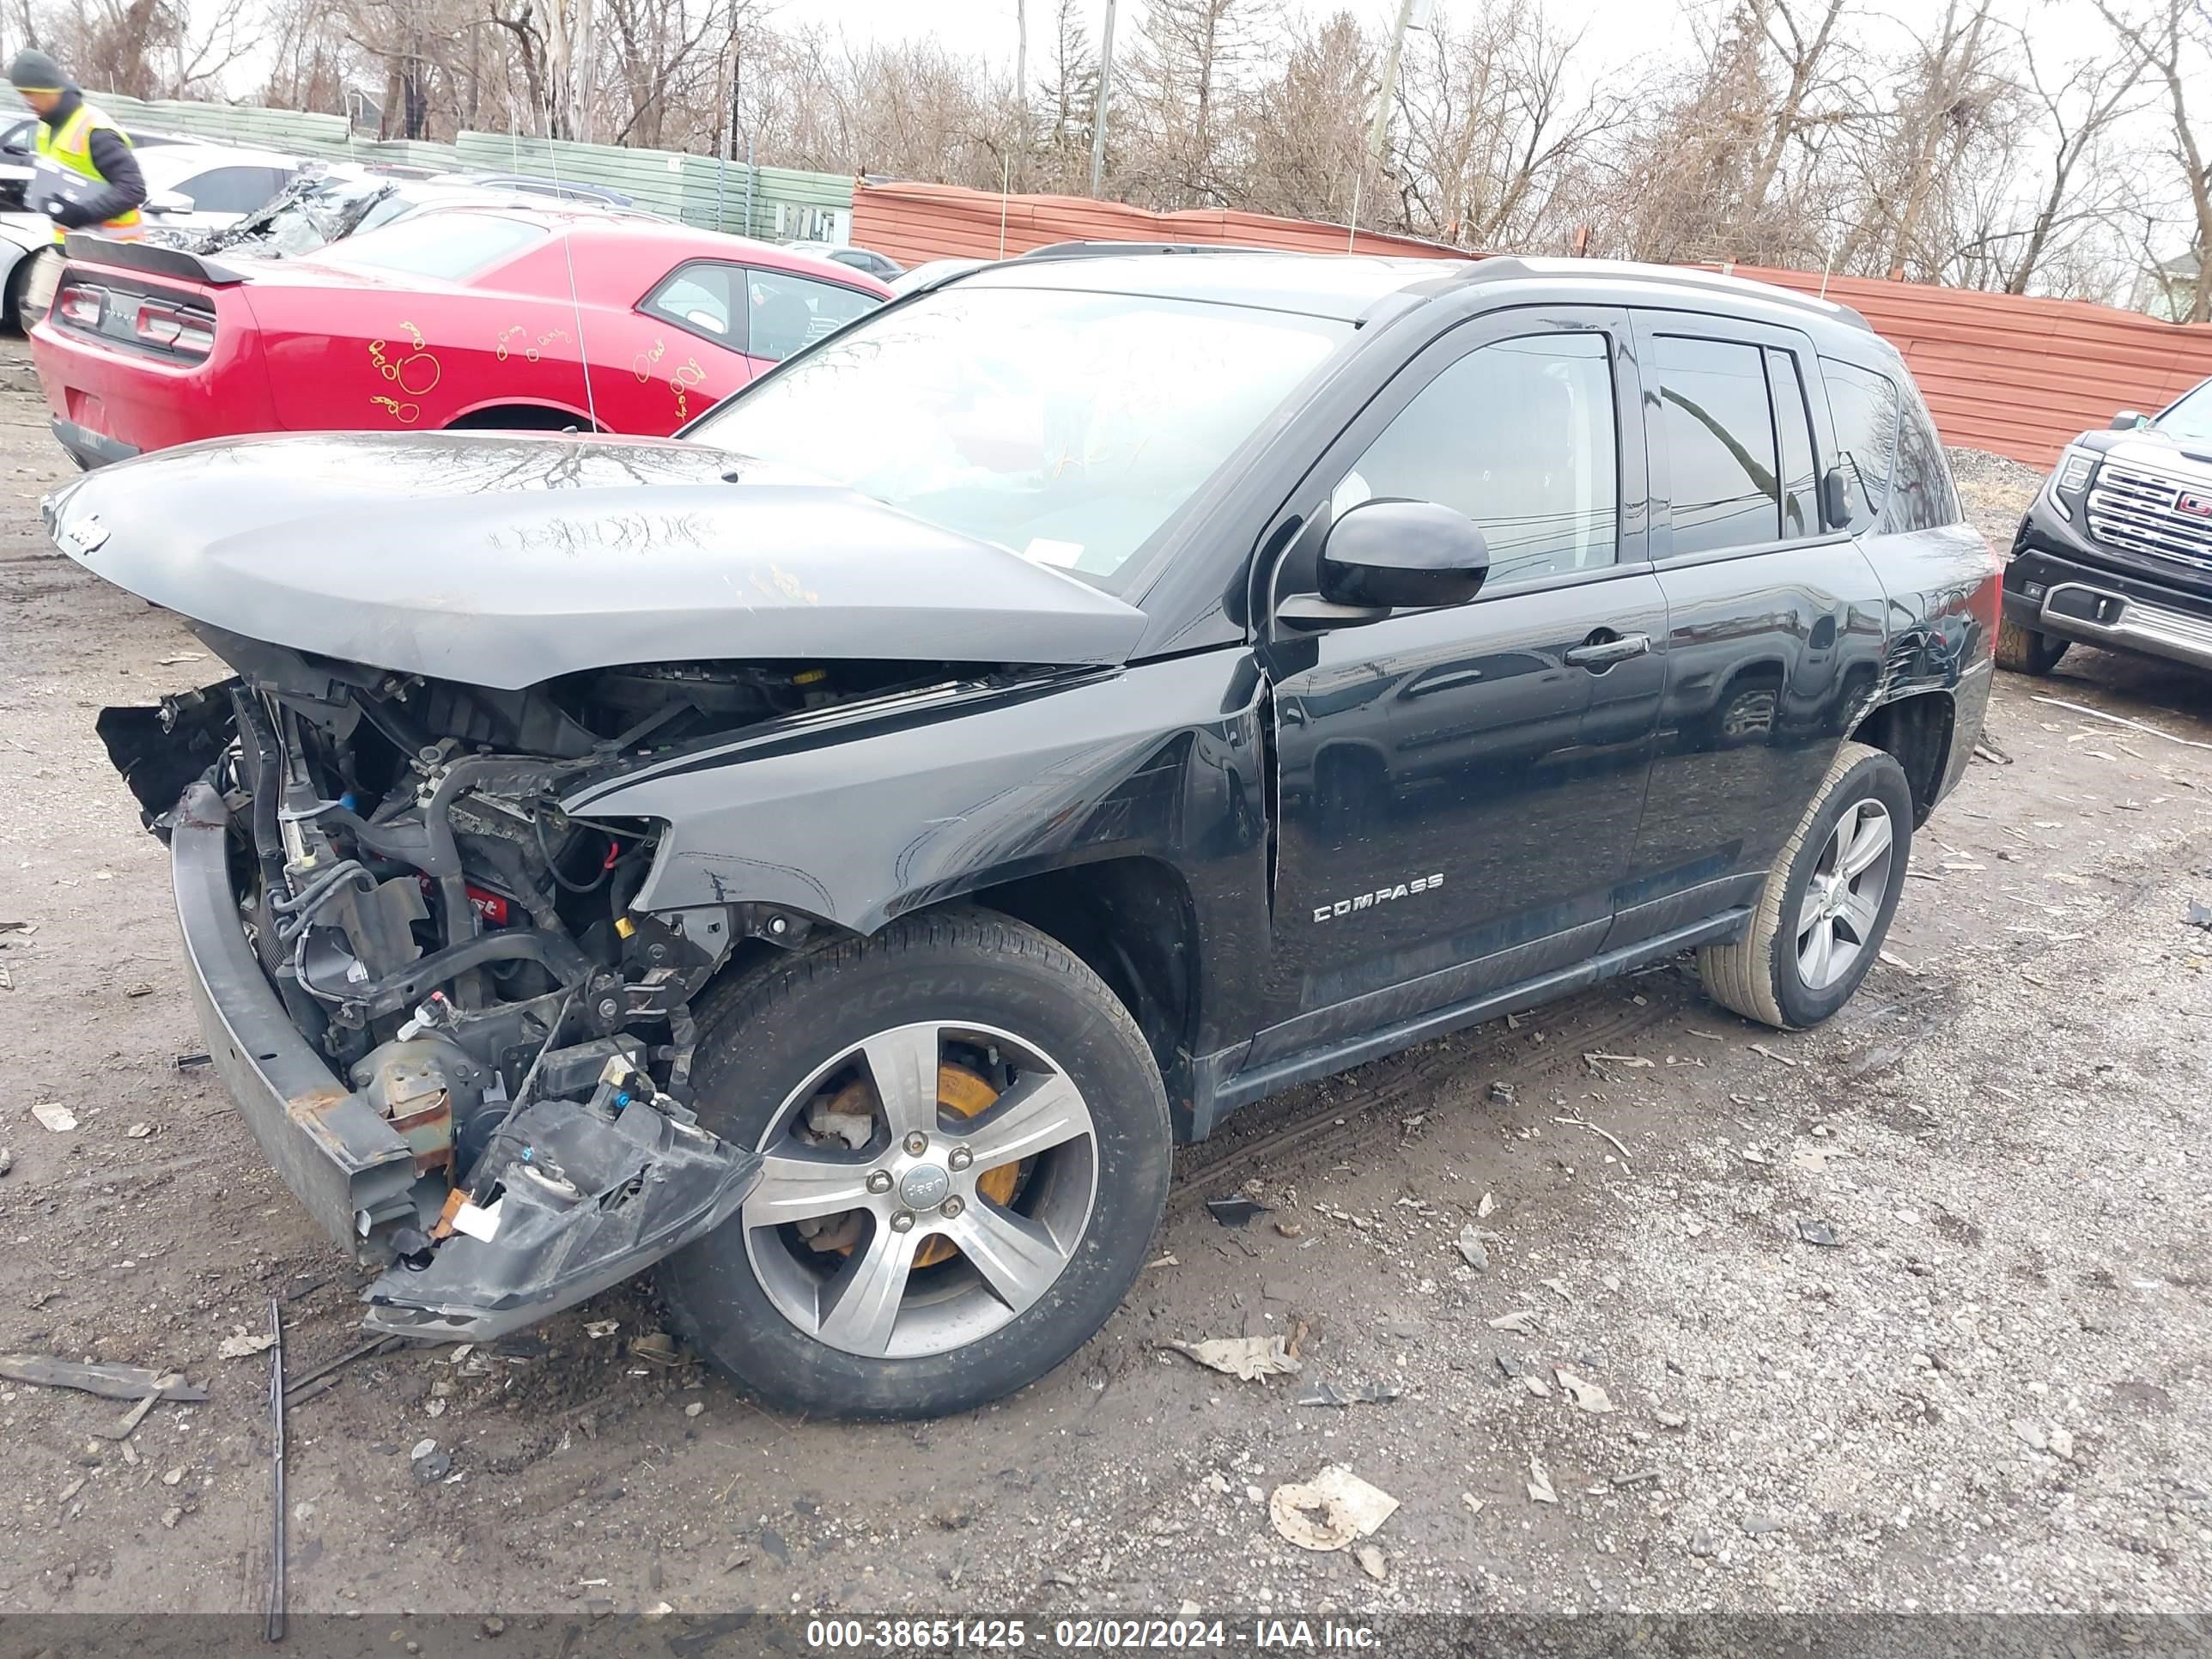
[(2134, 510)]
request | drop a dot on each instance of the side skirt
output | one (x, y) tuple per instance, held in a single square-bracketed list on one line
[(1219, 1089)]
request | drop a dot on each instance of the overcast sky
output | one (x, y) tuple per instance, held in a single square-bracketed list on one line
[(1618, 32)]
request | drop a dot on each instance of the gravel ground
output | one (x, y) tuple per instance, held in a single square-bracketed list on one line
[(1907, 1313)]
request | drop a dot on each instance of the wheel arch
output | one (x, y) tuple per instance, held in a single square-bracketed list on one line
[(1132, 921), (1916, 731), (522, 415)]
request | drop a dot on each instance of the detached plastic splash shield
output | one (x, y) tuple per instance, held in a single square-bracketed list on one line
[(585, 1203)]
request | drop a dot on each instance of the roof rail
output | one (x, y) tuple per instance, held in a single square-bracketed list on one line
[(1506, 267), (1110, 250)]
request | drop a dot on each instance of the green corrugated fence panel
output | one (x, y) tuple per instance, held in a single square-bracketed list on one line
[(410, 153), (696, 190)]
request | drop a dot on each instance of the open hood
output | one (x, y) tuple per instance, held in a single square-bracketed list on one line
[(503, 560)]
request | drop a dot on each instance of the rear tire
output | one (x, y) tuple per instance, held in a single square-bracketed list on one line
[(1824, 912), (780, 1296), (2025, 651)]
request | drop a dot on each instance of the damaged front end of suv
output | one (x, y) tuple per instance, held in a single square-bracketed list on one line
[(423, 969)]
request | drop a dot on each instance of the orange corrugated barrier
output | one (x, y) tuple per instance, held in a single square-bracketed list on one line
[(2013, 376)]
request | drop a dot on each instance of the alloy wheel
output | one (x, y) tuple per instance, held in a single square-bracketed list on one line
[(1843, 901), (924, 1188)]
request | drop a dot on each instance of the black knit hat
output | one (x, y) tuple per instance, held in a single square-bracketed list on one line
[(34, 71)]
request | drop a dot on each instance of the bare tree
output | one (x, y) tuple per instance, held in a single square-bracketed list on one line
[(1954, 97), (1489, 130), (145, 48), (2075, 115), (1068, 94), (1308, 134), (2170, 39), (1180, 87)]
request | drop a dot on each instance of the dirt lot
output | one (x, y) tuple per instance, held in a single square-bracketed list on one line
[(1990, 1393)]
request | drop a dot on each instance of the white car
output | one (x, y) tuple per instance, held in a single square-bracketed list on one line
[(189, 186), (861, 258), (936, 270)]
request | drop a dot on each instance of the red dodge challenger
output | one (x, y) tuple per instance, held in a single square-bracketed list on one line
[(522, 318)]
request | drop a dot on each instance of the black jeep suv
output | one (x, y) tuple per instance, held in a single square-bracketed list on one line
[(2116, 549), (833, 854)]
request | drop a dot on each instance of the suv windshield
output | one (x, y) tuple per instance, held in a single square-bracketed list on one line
[(2192, 418), (1065, 427)]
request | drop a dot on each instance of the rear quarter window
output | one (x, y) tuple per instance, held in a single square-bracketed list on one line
[(1921, 497), (1864, 405)]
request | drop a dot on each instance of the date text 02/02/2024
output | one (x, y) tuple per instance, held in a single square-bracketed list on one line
[(945, 1635)]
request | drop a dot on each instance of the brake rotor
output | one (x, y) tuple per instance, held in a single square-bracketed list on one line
[(963, 1093)]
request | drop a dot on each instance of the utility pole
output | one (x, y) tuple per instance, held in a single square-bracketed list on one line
[(1389, 81), (1098, 119), (1022, 86)]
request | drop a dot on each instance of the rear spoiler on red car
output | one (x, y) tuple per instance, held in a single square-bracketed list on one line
[(153, 260)]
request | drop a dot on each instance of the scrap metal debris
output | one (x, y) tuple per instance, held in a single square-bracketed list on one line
[(109, 1382), (1252, 1358), (1367, 1393), (2099, 714), (1332, 1509), (277, 1471), (1235, 1212), (126, 1426), (309, 1384)]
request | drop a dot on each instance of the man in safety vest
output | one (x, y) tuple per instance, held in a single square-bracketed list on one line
[(85, 178)]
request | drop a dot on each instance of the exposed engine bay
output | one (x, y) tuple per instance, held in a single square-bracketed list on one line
[(462, 956)]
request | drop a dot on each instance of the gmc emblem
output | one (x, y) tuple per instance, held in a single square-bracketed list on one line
[(2196, 505)]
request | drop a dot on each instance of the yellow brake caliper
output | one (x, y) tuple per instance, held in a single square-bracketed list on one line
[(962, 1092)]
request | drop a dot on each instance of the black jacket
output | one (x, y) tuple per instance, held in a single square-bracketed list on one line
[(119, 167)]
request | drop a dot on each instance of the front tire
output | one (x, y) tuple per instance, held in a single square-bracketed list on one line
[(967, 1149), (2025, 651), (1828, 903)]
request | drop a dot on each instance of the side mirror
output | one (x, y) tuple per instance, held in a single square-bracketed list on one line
[(1836, 498), (2128, 420), (1390, 553), (170, 201)]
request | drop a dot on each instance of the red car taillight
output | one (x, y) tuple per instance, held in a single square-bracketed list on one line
[(181, 333), (81, 303)]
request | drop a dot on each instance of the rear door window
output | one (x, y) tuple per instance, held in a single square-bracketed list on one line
[(790, 313), (1864, 406), (1718, 429), (1800, 510)]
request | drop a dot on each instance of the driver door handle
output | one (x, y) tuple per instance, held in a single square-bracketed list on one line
[(1603, 652)]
